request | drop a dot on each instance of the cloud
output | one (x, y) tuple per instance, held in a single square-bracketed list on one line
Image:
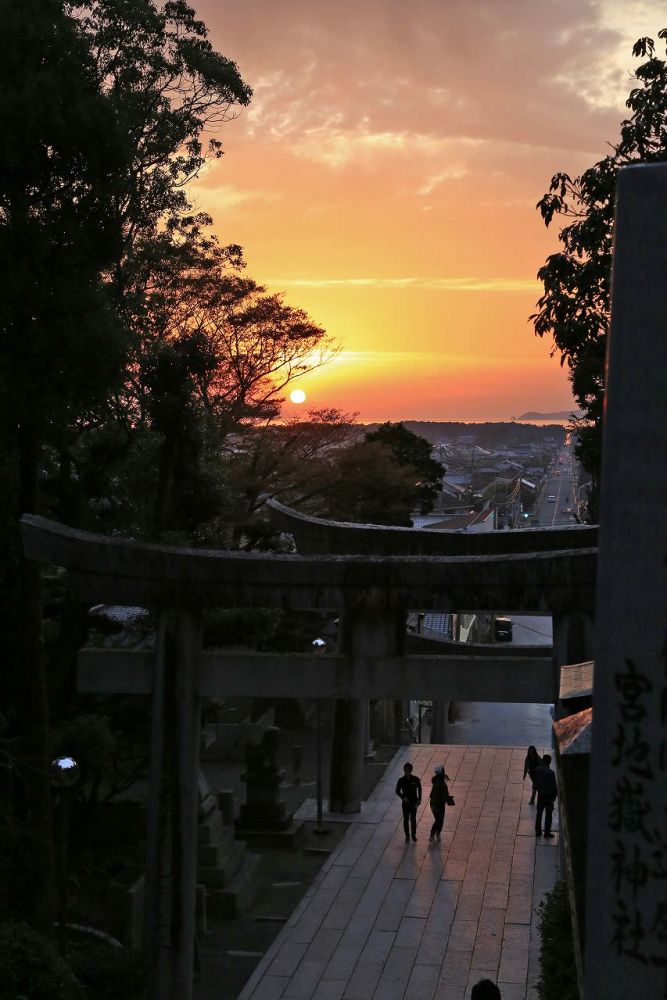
[(424, 364), (543, 71), (463, 284), (437, 100), (451, 173), (227, 197)]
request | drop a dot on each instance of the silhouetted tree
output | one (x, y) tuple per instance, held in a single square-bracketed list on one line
[(413, 452), (575, 306), (169, 90), (103, 106), (370, 486), (294, 462), (61, 158), (220, 364)]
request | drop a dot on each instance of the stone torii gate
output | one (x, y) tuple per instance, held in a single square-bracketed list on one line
[(370, 593), (626, 942)]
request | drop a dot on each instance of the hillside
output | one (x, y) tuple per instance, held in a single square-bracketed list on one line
[(487, 435)]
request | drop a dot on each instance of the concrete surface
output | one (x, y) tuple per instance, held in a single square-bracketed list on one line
[(386, 920)]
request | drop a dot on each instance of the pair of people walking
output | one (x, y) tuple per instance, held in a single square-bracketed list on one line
[(409, 791), (543, 782)]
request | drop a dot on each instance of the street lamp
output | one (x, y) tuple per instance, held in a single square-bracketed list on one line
[(319, 647), (64, 775), (65, 772)]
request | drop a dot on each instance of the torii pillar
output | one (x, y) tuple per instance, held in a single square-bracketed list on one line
[(369, 629), (171, 858), (626, 873)]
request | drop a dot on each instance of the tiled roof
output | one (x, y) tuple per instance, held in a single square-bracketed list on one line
[(573, 733)]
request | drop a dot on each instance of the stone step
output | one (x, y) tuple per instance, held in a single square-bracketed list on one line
[(217, 875), (289, 837), (213, 854), (210, 830), (236, 897)]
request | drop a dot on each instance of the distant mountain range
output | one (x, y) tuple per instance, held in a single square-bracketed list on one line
[(559, 415), (488, 434)]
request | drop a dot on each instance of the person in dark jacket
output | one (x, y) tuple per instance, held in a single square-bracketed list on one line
[(532, 761), (547, 793), (409, 791), (438, 799), (485, 989)]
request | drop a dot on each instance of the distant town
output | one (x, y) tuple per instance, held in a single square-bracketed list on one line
[(497, 475)]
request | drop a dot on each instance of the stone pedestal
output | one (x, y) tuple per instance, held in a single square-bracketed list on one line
[(264, 818)]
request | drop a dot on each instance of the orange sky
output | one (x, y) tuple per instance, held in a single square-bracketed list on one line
[(385, 178)]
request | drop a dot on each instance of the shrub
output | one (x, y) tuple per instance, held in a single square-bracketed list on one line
[(108, 973), (558, 974), (32, 969)]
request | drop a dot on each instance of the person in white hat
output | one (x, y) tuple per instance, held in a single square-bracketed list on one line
[(438, 799)]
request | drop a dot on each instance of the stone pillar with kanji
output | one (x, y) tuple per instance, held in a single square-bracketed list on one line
[(626, 877)]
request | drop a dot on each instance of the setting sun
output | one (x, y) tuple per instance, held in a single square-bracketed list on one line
[(297, 396)]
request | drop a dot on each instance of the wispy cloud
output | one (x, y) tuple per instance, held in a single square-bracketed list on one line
[(425, 362), (464, 284), (337, 144), (450, 174), (226, 196)]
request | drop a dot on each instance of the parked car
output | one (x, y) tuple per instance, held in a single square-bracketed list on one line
[(502, 629)]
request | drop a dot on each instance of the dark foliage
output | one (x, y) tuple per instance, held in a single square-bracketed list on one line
[(107, 973), (370, 486), (30, 966), (558, 975), (575, 306), (488, 435), (413, 453)]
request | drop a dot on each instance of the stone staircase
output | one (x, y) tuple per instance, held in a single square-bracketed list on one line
[(230, 875)]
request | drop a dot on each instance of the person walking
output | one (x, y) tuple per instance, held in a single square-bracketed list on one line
[(438, 799), (409, 791), (547, 793), (532, 761)]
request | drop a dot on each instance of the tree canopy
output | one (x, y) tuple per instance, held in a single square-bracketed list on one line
[(62, 159), (143, 342), (371, 486), (412, 452), (575, 306), (131, 342)]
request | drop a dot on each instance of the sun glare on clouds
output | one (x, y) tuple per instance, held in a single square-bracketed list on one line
[(388, 169)]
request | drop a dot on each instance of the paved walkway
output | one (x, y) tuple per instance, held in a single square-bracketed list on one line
[(386, 920)]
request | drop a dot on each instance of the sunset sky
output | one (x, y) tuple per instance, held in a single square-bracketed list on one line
[(385, 178)]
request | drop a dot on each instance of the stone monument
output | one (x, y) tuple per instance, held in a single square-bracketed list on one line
[(229, 875), (626, 876), (264, 818)]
